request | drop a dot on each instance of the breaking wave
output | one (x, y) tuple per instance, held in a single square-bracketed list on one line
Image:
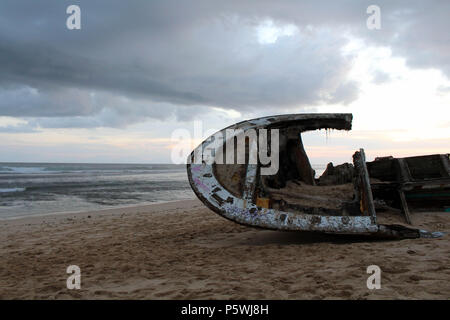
[(7, 190)]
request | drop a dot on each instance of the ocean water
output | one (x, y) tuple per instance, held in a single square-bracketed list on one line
[(28, 189), (39, 188)]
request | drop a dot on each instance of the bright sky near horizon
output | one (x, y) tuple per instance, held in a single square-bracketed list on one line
[(115, 90)]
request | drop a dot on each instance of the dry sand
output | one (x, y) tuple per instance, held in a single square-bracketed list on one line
[(182, 250)]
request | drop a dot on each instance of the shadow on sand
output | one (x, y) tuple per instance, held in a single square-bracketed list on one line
[(265, 237)]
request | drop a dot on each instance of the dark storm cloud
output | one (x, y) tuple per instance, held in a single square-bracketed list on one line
[(134, 60)]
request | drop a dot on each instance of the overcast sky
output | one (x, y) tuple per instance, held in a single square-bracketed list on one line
[(115, 90)]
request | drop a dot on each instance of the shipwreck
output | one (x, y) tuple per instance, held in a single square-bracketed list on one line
[(346, 199)]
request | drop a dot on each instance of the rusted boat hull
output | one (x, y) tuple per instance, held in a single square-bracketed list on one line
[(239, 192)]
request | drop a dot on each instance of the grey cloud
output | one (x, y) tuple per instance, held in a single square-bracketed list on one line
[(119, 113), (415, 30), (380, 77), (345, 93), (21, 128), (136, 60)]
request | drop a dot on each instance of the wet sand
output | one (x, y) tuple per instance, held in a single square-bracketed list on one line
[(182, 250)]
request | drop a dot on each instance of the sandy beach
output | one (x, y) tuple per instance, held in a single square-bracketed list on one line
[(182, 250)]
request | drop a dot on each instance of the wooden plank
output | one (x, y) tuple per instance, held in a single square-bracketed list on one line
[(405, 174), (404, 206), (359, 160), (445, 165), (426, 184)]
